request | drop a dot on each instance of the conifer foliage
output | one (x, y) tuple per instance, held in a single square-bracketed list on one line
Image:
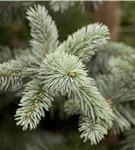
[(62, 6), (55, 69)]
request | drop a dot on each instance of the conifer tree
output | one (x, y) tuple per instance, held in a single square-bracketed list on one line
[(57, 69), (94, 77)]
